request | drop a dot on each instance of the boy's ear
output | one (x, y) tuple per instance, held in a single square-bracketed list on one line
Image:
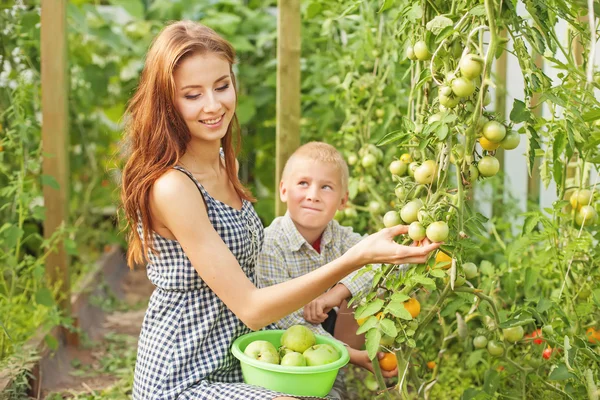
[(282, 191), (343, 202)]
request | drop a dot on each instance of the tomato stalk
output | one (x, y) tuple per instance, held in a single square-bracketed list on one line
[(484, 297), (379, 378)]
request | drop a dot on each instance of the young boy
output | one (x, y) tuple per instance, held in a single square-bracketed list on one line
[(314, 185)]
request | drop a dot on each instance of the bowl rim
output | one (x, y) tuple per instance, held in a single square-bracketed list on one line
[(339, 363)]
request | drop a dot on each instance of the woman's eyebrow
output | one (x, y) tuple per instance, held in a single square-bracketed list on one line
[(200, 86)]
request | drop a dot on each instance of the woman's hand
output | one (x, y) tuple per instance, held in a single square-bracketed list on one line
[(361, 359), (380, 247)]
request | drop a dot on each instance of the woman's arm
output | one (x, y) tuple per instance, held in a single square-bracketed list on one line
[(177, 204)]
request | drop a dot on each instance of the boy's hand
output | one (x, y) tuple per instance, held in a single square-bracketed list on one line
[(316, 311), (361, 359)]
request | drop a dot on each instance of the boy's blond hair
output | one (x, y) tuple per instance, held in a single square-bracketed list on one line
[(322, 152)]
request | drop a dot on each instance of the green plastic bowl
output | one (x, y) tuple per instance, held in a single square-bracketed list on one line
[(299, 381)]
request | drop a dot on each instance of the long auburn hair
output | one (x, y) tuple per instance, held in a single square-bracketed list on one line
[(155, 132)]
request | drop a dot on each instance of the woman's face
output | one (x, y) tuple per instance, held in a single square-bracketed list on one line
[(205, 96)]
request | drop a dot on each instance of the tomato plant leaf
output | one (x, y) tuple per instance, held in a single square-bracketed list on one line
[(372, 339), (519, 113), (370, 323), (399, 297), (370, 309), (50, 181), (44, 297), (396, 308), (438, 273), (561, 373), (388, 327), (437, 24)]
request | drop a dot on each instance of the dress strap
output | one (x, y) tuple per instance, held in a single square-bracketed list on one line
[(203, 192)]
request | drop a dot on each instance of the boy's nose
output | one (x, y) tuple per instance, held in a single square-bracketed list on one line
[(312, 195)]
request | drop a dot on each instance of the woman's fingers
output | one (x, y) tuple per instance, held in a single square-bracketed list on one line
[(397, 230)]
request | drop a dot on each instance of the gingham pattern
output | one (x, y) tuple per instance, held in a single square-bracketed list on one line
[(186, 336), (287, 255)]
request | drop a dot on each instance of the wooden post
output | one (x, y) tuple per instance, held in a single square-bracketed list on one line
[(55, 136), (288, 89)]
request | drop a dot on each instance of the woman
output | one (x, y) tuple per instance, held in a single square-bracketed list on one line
[(192, 221)]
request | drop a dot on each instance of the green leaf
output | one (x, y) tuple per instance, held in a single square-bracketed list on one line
[(437, 24), (478, 11), (135, 8), (44, 297), (392, 137), (543, 305), (372, 339), (388, 327), (415, 13), (51, 342), (398, 296), (370, 323), (438, 273), (50, 181), (442, 133), (386, 5), (520, 113), (396, 308), (561, 373), (370, 309), (11, 234), (592, 115), (530, 223), (71, 247), (313, 10)]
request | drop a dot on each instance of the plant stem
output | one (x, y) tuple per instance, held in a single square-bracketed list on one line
[(482, 296)]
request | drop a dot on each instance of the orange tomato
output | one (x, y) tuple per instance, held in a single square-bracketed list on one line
[(388, 362), (442, 257), (593, 336), (488, 145), (431, 364), (413, 307)]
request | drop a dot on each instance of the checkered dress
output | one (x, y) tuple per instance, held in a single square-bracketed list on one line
[(184, 345)]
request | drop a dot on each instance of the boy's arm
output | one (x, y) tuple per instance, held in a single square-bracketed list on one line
[(270, 270), (362, 282)]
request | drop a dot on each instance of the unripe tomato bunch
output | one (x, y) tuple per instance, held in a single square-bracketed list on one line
[(583, 203)]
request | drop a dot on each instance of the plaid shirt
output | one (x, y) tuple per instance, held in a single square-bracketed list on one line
[(287, 255)]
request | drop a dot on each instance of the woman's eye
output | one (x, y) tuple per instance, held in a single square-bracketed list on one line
[(192, 97), (222, 88)]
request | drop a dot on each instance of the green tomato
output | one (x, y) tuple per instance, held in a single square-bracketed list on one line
[(352, 159), (488, 166), (400, 192), (391, 218), (463, 87), (511, 141), (410, 53), (399, 168), (583, 197), (480, 342), (339, 215), (379, 113), (425, 174), (495, 348), (375, 207), (350, 213), (369, 160), (438, 231), (494, 131), (409, 212), (421, 51), (447, 101), (470, 270), (473, 173), (513, 334), (411, 168), (471, 66), (416, 231), (446, 90), (586, 216), (548, 329)]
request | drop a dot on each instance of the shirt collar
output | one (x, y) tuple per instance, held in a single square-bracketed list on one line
[(296, 239)]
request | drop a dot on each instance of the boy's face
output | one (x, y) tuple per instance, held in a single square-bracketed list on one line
[(313, 192)]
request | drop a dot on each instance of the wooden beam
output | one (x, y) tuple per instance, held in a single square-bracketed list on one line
[(288, 89), (55, 136)]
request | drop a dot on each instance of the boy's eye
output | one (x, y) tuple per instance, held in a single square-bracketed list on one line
[(328, 187), (302, 183)]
